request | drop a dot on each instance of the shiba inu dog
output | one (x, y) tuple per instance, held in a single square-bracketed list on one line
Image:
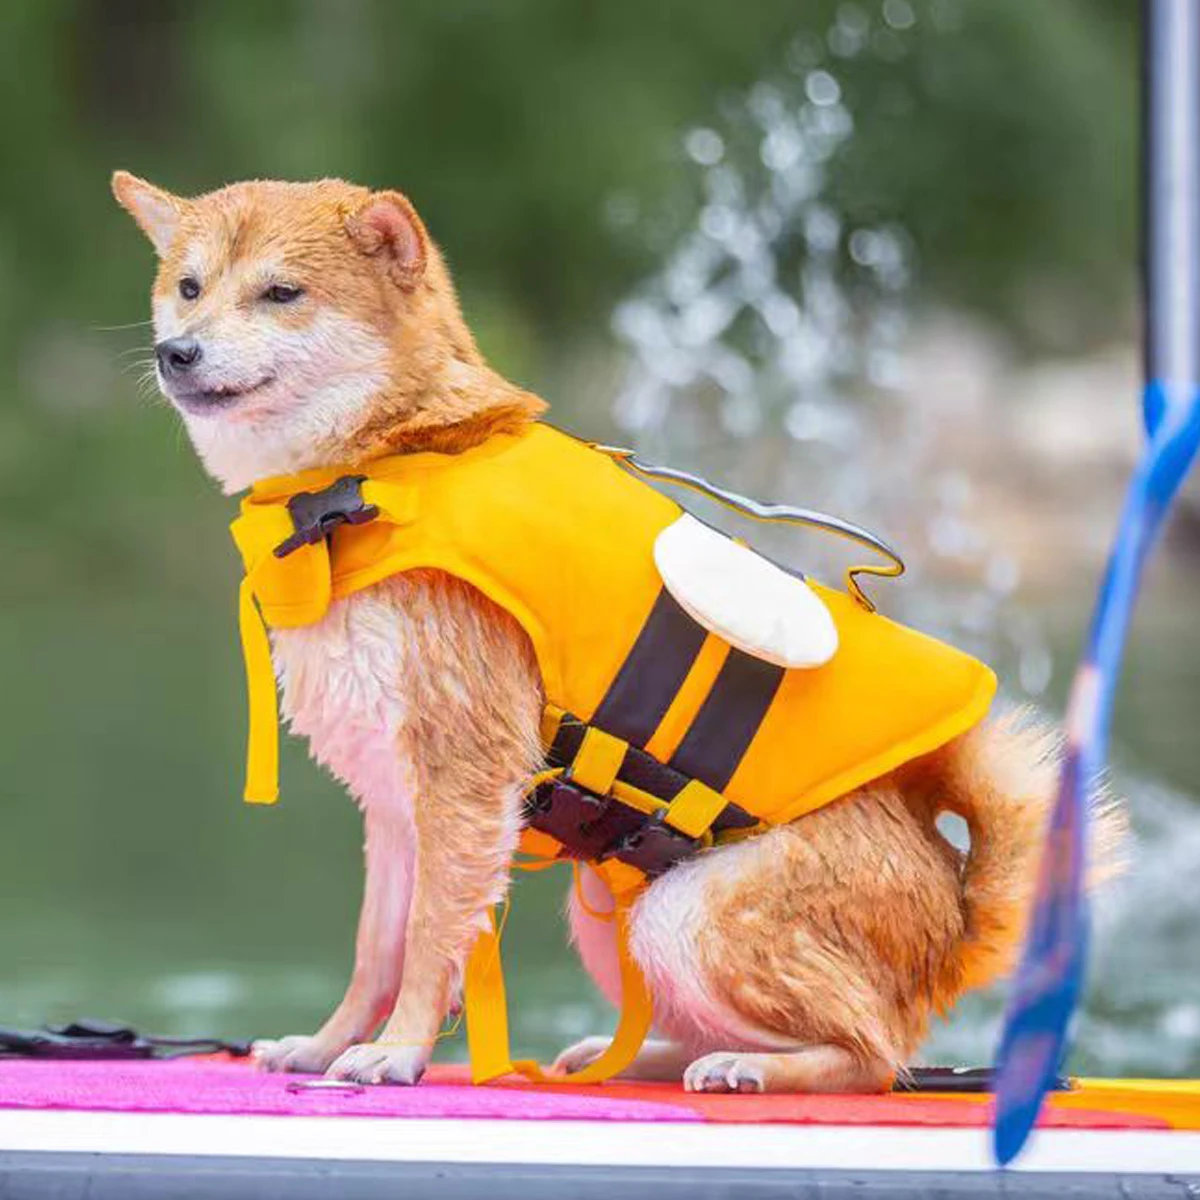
[(311, 325)]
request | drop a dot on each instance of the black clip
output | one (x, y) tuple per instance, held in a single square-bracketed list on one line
[(315, 515), (106, 1040), (654, 846), (570, 815)]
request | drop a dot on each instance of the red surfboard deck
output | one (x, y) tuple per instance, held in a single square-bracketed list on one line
[(217, 1086)]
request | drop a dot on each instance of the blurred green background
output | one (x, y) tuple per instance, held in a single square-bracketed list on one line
[(543, 140)]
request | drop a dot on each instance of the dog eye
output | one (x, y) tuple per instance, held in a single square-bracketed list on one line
[(282, 293), (189, 288)]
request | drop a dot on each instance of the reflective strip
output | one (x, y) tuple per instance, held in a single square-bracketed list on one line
[(695, 809), (652, 673), (696, 686), (597, 761), (728, 720)]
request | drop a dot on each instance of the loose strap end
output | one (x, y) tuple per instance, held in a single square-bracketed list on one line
[(487, 1015), (262, 750)]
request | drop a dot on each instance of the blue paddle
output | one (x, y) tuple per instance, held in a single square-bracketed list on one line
[(1050, 976)]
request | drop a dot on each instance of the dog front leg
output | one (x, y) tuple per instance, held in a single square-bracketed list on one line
[(464, 851), (378, 954)]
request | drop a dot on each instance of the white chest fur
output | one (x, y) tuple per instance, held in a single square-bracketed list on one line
[(342, 681)]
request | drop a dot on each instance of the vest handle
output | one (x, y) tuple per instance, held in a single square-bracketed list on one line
[(785, 514)]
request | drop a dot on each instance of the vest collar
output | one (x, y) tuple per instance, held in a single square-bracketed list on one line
[(295, 587), (275, 488)]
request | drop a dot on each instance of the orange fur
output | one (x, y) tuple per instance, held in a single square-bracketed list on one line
[(838, 936), (441, 394), (862, 922)]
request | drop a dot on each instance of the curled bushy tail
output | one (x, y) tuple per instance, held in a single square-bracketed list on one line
[(1002, 777)]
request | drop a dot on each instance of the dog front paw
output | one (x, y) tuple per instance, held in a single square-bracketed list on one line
[(581, 1054), (381, 1062), (295, 1054)]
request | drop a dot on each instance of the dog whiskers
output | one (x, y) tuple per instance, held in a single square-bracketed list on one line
[(119, 328)]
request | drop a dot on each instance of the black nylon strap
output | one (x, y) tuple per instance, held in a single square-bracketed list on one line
[(652, 674), (728, 720), (640, 770)]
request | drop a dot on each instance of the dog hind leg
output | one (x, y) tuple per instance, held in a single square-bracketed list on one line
[(812, 1069)]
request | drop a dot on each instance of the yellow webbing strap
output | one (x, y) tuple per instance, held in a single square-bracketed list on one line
[(486, 1007), (262, 748), (598, 760), (541, 845), (695, 808), (552, 718), (397, 505)]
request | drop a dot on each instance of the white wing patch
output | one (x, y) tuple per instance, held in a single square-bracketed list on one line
[(744, 598)]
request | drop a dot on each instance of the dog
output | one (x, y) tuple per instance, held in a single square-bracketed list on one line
[(307, 325)]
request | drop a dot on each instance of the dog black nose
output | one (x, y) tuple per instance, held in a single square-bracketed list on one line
[(176, 356)]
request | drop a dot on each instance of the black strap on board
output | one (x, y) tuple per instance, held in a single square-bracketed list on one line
[(94, 1039)]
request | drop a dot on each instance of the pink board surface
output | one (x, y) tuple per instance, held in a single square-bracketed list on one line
[(214, 1085)]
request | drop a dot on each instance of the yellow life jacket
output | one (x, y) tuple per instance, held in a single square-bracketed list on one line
[(642, 703)]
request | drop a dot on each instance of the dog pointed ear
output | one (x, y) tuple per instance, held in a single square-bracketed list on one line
[(158, 213), (386, 226)]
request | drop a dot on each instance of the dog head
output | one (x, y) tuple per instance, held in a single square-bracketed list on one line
[(292, 319)]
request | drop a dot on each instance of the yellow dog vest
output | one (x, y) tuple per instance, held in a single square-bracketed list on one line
[(562, 538)]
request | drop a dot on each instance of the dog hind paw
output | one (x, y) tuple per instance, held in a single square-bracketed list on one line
[(724, 1072)]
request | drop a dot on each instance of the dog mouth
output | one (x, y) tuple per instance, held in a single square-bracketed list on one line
[(209, 400)]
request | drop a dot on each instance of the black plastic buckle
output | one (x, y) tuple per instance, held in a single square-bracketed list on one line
[(315, 515), (572, 816), (654, 846)]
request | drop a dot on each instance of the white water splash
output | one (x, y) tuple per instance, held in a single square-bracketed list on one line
[(768, 352)]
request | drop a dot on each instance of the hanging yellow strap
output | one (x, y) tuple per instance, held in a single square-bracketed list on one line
[(487, 1014), (262, 750), (302, 588)]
